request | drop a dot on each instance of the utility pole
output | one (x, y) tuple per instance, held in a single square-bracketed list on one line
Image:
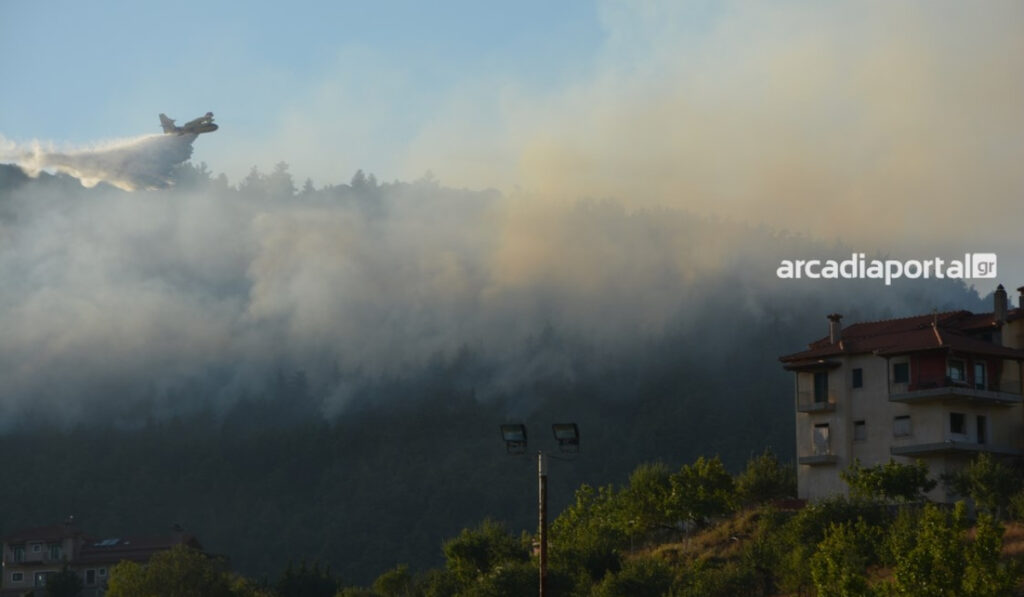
[(568, 437), (542, 512)]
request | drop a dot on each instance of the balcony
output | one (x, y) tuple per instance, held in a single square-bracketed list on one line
[(952, 447), (808, 402), (944, 389)]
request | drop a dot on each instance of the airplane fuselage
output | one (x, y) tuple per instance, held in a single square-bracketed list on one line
[(197, 129), (203, 124)]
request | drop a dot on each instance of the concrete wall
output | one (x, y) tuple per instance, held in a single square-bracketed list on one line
[(930, 422)]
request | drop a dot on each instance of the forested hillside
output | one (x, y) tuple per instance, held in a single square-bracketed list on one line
[(319, 374)]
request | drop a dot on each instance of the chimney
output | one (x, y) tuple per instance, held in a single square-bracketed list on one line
[(999, 314), (835, 329)]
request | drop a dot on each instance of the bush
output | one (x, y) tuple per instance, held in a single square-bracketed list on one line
[(839, 566), (642, 577), (796, 542), (765, 479), (396, 582), (891, 481), (475, 552), (989, 483), (701, 491), (1017, 506), (589, 536), (178, 572), (644, 503), (705, 579), (934, 563), (986, 574)]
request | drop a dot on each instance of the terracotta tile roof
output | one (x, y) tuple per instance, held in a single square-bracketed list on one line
[(979, 322), (951, 330)]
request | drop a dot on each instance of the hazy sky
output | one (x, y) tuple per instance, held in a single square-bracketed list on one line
[(889, 126), (376, 73)]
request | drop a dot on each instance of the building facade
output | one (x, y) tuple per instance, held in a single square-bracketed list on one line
[(941, 387), (31, 556)]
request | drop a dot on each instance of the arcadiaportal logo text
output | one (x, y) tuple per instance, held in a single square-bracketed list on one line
[(973, 265)]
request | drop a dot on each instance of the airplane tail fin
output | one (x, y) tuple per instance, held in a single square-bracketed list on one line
[(167, 123)]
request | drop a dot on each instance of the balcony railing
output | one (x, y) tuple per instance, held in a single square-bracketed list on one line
[(944, 388), (951, 447), (807, 402)]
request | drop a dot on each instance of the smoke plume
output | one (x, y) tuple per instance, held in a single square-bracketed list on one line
[(134, 305)]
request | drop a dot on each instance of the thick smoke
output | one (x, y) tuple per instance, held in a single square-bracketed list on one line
[(135, 305), (894, 126), (140, 163)]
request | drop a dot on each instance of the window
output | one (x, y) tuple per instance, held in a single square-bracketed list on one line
[(957, 423), (103, 572), (901, 373), (982, 429), (860, 431), (17, 576), (90, 577), (821, 443), (19, 553), (41, 578), (36, 548), (55, 551), (979, 375), (901, 426), (956, 371), (821, 386), (858, 378)]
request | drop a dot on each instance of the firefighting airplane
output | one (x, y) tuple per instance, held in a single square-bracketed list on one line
[(203, 124)]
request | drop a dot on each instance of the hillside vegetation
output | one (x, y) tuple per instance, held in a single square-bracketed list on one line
[(699, 531)]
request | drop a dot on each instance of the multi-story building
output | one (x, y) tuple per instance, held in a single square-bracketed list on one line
[(941, 387), (31, 556)]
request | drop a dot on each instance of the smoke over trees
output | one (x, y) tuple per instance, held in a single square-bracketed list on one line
[(326, 368), (117, 303)]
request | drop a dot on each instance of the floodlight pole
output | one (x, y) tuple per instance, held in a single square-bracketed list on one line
[(542, 514), (568, 437)]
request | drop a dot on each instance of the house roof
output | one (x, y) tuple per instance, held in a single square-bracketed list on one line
[(136, 549), (53, 532), (99, 550), (951, 330)]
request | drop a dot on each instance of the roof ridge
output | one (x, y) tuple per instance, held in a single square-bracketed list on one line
[(893, 319)]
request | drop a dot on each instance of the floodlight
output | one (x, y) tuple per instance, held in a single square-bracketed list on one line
[(514, 435), (568, 436)]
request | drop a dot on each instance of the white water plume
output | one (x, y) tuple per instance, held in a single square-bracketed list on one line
[(136, 163)]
